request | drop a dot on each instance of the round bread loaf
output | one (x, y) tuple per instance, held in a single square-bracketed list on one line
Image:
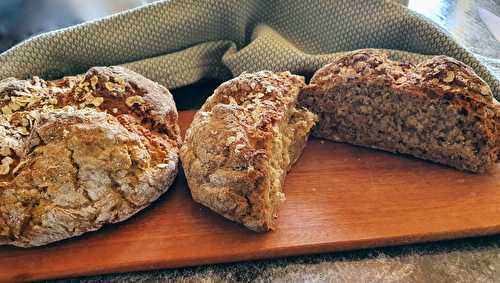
[(81, 152)]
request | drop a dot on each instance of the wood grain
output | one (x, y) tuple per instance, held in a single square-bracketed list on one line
[(339, 197)]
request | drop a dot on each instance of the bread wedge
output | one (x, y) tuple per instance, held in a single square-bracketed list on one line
[(241, 144)]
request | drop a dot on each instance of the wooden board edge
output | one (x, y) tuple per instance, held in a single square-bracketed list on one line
[(301, 250)]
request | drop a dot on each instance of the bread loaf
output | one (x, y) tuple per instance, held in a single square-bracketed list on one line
[(439, 110), (81, 152), (241, 144)]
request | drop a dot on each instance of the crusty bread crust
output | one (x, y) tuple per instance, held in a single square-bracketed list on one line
[(241, 143), (81, 152), (444, 111)]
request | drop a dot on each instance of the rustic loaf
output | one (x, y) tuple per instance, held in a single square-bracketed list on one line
[(439, 110), (241, 144), (81, 152)]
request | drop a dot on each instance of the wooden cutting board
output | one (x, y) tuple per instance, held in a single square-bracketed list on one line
[(339, 197)]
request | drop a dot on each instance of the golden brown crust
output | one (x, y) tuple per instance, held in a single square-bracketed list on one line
[(81, 154), (440, 81), (229, 146), (438, 76)]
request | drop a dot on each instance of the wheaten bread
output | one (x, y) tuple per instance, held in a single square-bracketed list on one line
[(241, 144), (439, 110), (81, 152)]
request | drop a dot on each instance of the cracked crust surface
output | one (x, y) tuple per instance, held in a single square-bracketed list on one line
[(242, 142), (81, 152), (439, 110)]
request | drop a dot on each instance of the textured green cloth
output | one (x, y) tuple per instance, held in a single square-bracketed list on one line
[(179, 42)]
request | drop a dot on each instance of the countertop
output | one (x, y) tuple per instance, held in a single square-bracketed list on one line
[(466, 260)]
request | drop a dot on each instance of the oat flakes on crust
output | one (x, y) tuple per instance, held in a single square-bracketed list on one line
[(242, 142), (75, 156)]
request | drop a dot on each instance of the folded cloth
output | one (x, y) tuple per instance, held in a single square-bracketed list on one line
[(179, 42)]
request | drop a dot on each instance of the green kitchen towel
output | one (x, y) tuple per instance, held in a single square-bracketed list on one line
[(179, 42)]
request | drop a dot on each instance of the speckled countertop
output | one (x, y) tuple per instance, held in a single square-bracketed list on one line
[(473, 260), (469, 260)]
